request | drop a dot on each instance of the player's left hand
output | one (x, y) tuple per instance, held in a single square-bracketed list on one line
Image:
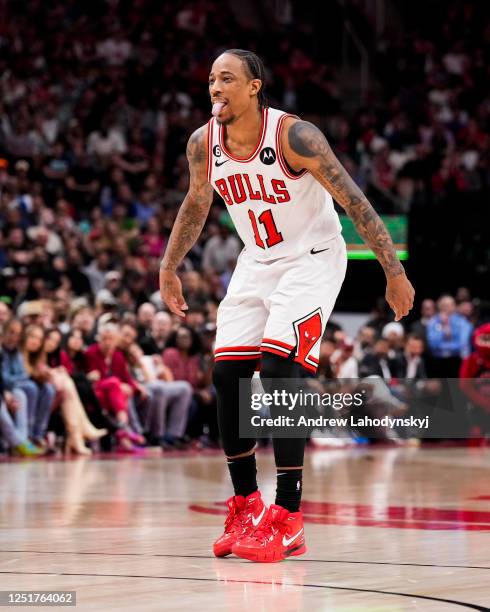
[(399, 295)]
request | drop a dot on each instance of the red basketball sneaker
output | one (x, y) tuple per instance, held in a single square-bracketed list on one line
[(244, 515), (280, 535)]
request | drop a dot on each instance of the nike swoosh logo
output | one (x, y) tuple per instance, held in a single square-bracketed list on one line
[(287, 541), (313, 252), (216, 163), (257, 520)]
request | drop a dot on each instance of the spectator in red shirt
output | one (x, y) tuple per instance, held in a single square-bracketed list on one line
[(475, 370), (183, 356), (107, 367)]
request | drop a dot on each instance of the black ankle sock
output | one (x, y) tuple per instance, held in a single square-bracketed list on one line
[(243, 472), (289, 489)]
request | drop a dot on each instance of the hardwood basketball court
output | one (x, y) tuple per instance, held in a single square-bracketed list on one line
[(387, 530)]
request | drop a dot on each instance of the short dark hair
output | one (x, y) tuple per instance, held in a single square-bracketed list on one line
[(196, 344), (416, 336), (256, 70)]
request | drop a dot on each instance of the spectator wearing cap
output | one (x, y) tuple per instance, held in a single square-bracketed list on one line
[(395, 334), (39, 395), (105, 302), (113, 281), (31, 312)]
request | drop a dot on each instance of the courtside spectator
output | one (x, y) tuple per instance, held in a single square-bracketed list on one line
[(39, 394), (448, 338)]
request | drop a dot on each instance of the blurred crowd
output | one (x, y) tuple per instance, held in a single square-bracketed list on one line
[(442, 358), (96, 105), (430, 141), (124, 380), (128, 380)]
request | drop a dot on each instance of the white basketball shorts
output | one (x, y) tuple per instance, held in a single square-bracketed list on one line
[(281, 305)]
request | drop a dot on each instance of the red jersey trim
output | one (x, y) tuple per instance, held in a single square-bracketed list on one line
[(278, 343), (237, 348), (307, 365), (237, 352), (280, 156), (243, 160), (209, 163), (236, 357)]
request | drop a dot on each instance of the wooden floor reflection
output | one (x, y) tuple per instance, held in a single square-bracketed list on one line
[(387, 530)]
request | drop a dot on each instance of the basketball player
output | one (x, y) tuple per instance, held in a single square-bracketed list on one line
[(277, 175)]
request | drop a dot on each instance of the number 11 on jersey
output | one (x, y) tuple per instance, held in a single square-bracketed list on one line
[(272, 235)]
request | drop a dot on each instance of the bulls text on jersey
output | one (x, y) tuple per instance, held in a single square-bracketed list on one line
[(238, 188)]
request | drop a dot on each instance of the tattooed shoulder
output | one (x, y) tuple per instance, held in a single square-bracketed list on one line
[(196, 146), (306, 140)]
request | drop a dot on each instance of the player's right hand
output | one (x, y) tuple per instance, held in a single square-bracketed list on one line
[(400, 295), (171, 292)]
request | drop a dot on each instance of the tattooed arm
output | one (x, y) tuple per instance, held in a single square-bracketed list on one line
[(305, 146), (189, 222)]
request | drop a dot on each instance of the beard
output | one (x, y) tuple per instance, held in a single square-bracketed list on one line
[(226, 121)]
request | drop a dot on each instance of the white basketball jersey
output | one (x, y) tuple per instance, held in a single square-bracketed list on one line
[(276, 212)]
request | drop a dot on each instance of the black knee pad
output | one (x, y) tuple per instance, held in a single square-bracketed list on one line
[(226, 377), (224, 370), (278, 373), (288, 452), (273, 366)]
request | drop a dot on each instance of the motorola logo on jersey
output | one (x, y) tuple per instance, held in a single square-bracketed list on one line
[(217, 151), (268, 156)]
